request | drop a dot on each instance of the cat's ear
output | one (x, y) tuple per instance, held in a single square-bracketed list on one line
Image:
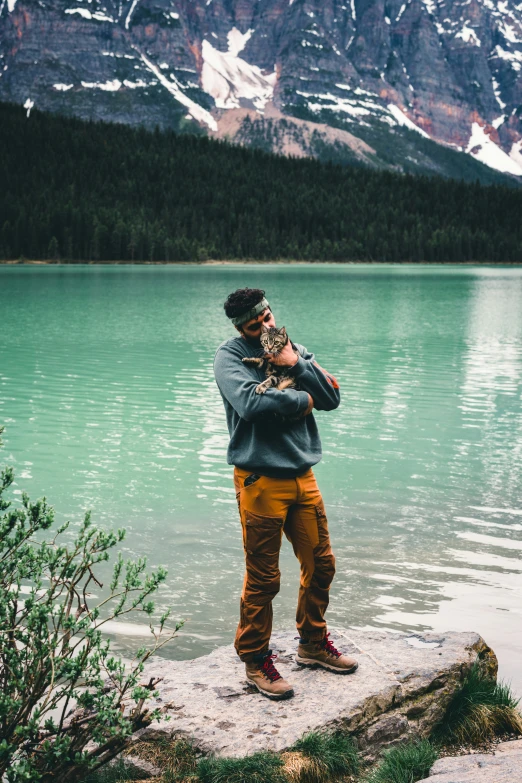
[(282, 331), (264, 328)]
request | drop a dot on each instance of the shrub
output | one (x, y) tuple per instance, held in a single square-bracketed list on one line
[(405, 763), (176, 758), (262, 767), (318, 758), (52, 654), (482, 709)]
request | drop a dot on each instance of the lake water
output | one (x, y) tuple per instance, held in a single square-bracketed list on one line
[(109, 401)]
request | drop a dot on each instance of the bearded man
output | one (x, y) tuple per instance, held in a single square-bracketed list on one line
[(274, 442)]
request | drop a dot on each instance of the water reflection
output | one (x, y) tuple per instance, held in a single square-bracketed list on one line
[(107, 389)]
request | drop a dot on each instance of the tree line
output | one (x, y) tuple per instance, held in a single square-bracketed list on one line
[(89, 191)]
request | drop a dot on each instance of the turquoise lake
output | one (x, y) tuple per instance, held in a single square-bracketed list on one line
[(109, 402)]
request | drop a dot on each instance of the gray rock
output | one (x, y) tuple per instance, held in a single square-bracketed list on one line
[(502, 766), (401, 688), (136, 766)]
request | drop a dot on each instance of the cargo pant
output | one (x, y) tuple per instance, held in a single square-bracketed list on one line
[(268, 507)]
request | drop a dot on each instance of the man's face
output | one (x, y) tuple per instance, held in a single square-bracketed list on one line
[(252, 329)]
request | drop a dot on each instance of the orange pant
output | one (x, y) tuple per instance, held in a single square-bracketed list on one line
[(267, 507)]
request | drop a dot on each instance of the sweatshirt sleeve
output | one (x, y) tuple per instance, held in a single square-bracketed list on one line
[(318, 382), (238, 385)]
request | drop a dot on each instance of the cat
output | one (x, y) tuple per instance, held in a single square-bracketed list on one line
[(273, 340)]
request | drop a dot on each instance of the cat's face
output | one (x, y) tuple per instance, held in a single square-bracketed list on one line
[(273, 339)]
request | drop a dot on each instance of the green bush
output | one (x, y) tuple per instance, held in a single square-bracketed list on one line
[(482, 709), (335, 753), (52, 654), (262, 767), (405, 763)]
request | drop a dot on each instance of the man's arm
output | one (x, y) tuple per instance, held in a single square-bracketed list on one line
[(321, 384), (238, 385)]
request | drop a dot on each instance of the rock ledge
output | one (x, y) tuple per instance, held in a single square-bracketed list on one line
[(401, 688), (504, 765)]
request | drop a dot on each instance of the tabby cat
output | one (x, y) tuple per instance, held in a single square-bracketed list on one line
[(273, 340)]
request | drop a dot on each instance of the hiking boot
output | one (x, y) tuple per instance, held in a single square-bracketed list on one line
[(324, 654), (264, 676)]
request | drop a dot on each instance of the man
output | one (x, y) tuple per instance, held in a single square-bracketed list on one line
[(274, 442)]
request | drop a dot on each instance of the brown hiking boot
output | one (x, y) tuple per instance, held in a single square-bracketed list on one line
[(324, 654), (264, 676)]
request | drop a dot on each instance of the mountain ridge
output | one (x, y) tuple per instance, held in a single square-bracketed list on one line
[(87, 191), (451, 72)]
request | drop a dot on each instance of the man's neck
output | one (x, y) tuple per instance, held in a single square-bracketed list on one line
[(255, 342)]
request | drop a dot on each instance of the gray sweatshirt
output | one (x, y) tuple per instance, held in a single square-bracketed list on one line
[(261, 439)]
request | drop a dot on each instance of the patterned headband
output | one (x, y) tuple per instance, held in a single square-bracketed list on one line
[(241, 319)]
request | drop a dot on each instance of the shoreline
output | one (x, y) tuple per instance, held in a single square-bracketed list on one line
[(245, 262)]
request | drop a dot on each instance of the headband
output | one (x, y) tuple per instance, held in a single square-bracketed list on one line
[(258, 308)]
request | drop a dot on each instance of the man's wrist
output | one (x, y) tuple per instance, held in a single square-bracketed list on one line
[(282, 362), (296, 359), (299, 367)]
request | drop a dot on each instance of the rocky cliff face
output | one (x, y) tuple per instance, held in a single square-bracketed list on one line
[(282, 74)]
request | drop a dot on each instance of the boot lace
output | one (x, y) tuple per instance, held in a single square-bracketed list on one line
[(327, 645), (268, 668)]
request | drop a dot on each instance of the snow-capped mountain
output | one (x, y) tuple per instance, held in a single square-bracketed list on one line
[(297, 76)]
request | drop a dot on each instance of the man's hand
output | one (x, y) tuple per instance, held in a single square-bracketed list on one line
[(287, 357)]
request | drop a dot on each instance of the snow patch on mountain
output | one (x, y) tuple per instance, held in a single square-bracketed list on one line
[(508, 31), (229, 79), (135, 85), (174, 87), (468, 35), (112, 85), (483, 148), (28, 105), (430, 6), (496, 90), (131, 11), (401, 11), (403, 119), (237, 40), (516, 153), (63, 87), (328, 102), (82, 11), (515, 58), (98, 15), (353, 106)]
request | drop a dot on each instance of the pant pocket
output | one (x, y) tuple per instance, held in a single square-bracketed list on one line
[(262, 534), (322, 526)]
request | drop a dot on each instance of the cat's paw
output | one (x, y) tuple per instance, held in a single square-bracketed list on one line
[(286, 383)]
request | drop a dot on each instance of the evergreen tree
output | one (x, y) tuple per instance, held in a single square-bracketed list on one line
[(94, 191)]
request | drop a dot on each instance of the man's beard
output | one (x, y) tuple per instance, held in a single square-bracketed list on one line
[(255, 342)]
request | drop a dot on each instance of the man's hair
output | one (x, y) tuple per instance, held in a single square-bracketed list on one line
[(242, 300)]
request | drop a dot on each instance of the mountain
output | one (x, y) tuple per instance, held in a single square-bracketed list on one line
[(408, 86)]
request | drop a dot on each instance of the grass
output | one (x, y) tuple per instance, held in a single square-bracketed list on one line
[(480, 711), (115, 773), (405, 763), (320, 758), (177, 759), (262, 767)]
